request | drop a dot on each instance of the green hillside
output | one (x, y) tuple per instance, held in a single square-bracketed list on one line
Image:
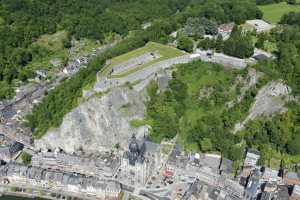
[(274, 12)]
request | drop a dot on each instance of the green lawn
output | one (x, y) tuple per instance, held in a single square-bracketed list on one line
[(165, 52), (274, 12)]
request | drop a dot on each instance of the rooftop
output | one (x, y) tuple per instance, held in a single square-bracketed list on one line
[(38, 174), (259, 25), (104, 165)]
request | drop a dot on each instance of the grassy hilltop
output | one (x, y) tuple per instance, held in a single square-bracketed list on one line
[(274, 12)]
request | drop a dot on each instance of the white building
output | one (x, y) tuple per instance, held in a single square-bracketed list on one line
[(105, 165), (252, 158), (270, 175), (259, 25), (296, 192), (76, 185)]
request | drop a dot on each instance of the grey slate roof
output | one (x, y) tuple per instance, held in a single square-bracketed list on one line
[(9, 151), (104, 165), (39, 174), (226, 166)]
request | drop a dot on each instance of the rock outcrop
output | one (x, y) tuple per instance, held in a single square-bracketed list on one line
[(98, 124), (269, 100)]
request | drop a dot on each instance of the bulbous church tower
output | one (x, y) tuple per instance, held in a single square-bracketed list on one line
[(136, 151)]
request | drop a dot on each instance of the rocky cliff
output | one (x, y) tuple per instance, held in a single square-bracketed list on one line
[(98, 124), (269, 100)]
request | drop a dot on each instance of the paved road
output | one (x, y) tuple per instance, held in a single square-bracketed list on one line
[(225, 60)]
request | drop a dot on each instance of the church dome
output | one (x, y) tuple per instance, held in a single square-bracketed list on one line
[(133, 145)]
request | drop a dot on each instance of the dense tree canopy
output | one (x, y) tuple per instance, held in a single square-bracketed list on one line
[(197, 27), (185, 43), (291, 18), (239, 44), (199, 118), (223, 11), (264, 2)]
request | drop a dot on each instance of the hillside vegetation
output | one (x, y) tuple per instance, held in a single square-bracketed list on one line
[(195, 108)]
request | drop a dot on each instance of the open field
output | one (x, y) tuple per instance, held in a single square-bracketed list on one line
[(274, 12), (164, 51)]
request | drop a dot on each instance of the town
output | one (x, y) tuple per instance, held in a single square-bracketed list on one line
[(111, 150), (148, 171)]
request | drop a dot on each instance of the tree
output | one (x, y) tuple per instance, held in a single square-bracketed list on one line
[(206, 144), (219, 43), (210, 26), (291, 18), (236, 153), (197, 27), (179, 90), (239, 44), (194, 28), (207, 44), (293, 2), (117, 146), (260, 43), (67, 41), (6, 91), (294, 145), (185, 43), (26, 158)]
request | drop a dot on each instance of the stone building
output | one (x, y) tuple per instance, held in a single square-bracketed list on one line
[(177, 160), (252, 158), (296, 192), (141, 159), (9, 152), (253, 187), (28, 178), (105, 165)]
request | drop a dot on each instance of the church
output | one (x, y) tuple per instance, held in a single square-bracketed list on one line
[(140, 160)]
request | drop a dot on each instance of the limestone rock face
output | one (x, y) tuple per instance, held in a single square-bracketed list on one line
[(269, 100), (98, 124)]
